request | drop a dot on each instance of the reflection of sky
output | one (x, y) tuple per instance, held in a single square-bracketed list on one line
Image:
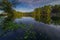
[(1, 11), (25, 19)]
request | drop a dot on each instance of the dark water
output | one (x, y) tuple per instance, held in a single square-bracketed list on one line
[(43, 31)]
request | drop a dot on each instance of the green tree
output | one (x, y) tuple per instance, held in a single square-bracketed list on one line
[(38, 12), (47, 14), (56, 9), (8, 9), (6, 6)]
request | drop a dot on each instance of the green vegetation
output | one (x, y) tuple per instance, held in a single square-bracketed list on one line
[(44, 14), (56, 20), (10, 26)]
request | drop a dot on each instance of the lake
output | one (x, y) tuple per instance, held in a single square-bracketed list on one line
[(43, 31)]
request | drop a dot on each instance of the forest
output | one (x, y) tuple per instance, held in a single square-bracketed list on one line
[(45, 14), (26, 29)]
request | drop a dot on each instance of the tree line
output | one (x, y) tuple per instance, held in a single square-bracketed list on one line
[(43, 14), (47, 13)]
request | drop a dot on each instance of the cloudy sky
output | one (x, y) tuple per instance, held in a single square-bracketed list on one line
[(30, 5)]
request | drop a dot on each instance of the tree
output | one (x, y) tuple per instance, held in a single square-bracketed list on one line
[(7, 6), (47, 14), (56, 9), (37, 14)]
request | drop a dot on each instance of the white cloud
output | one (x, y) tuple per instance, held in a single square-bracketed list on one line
[(24, 10), (55, 2), (37, 3)]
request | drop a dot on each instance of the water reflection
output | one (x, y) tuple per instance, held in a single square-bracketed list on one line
[(43, 31), (32, 20), (26, 20)]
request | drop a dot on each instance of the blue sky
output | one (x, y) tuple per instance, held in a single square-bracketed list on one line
[(30, 5)]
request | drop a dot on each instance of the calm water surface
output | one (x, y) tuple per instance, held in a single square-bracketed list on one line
[(50, 31)]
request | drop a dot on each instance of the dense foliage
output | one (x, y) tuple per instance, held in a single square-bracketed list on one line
[(44, 14)]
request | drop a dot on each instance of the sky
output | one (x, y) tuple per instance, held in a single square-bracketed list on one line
[(30, 5)]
